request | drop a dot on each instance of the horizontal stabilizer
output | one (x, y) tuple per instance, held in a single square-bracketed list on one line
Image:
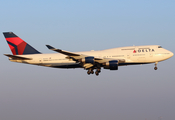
[(17, 57)]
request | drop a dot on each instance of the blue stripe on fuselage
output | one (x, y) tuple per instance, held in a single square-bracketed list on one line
[(79, 66)]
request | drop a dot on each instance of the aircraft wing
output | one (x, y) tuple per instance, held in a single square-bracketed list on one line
[(70, 54), (17, 57), (88, 61), (62, 51)]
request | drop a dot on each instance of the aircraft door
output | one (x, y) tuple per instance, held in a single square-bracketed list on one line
[(40, 61), (128, 56)]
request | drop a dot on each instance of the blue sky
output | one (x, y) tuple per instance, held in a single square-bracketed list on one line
[(133, 92)]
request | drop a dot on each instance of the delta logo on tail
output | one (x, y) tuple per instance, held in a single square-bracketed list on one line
[(17, 45)]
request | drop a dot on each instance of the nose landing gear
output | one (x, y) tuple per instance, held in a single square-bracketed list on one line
[(155, 68)]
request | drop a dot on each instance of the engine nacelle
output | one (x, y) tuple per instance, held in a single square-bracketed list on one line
[(87, 60), (112, 65)]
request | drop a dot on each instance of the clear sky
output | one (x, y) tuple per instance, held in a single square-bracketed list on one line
[(30, 92)]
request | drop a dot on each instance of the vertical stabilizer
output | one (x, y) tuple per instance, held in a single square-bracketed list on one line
[(19, 46)]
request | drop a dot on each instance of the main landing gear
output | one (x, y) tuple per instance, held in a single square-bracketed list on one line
[(155, 68), (90, 71), (97, 71)]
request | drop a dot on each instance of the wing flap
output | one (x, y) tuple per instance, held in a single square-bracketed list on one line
[(88, 65)]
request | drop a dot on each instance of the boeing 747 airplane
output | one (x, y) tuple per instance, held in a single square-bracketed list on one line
[(89, 60)]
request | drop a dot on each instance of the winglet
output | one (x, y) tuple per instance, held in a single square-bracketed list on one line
[(50, 47)]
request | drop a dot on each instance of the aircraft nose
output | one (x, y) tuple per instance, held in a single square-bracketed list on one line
[(171, 54)]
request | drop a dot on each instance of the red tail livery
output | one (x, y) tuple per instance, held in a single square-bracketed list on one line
[(18, 46)]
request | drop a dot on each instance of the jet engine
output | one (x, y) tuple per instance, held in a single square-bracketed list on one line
[(87, 60), (112, 65)]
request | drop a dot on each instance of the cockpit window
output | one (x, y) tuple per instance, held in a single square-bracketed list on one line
[(159, 46)]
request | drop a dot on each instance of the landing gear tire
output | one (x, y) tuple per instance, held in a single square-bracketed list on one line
[(99, 70), (155, 68), (88, 72), (97, 73)]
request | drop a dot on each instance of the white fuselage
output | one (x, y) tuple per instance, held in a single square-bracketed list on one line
[(131, 55)]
